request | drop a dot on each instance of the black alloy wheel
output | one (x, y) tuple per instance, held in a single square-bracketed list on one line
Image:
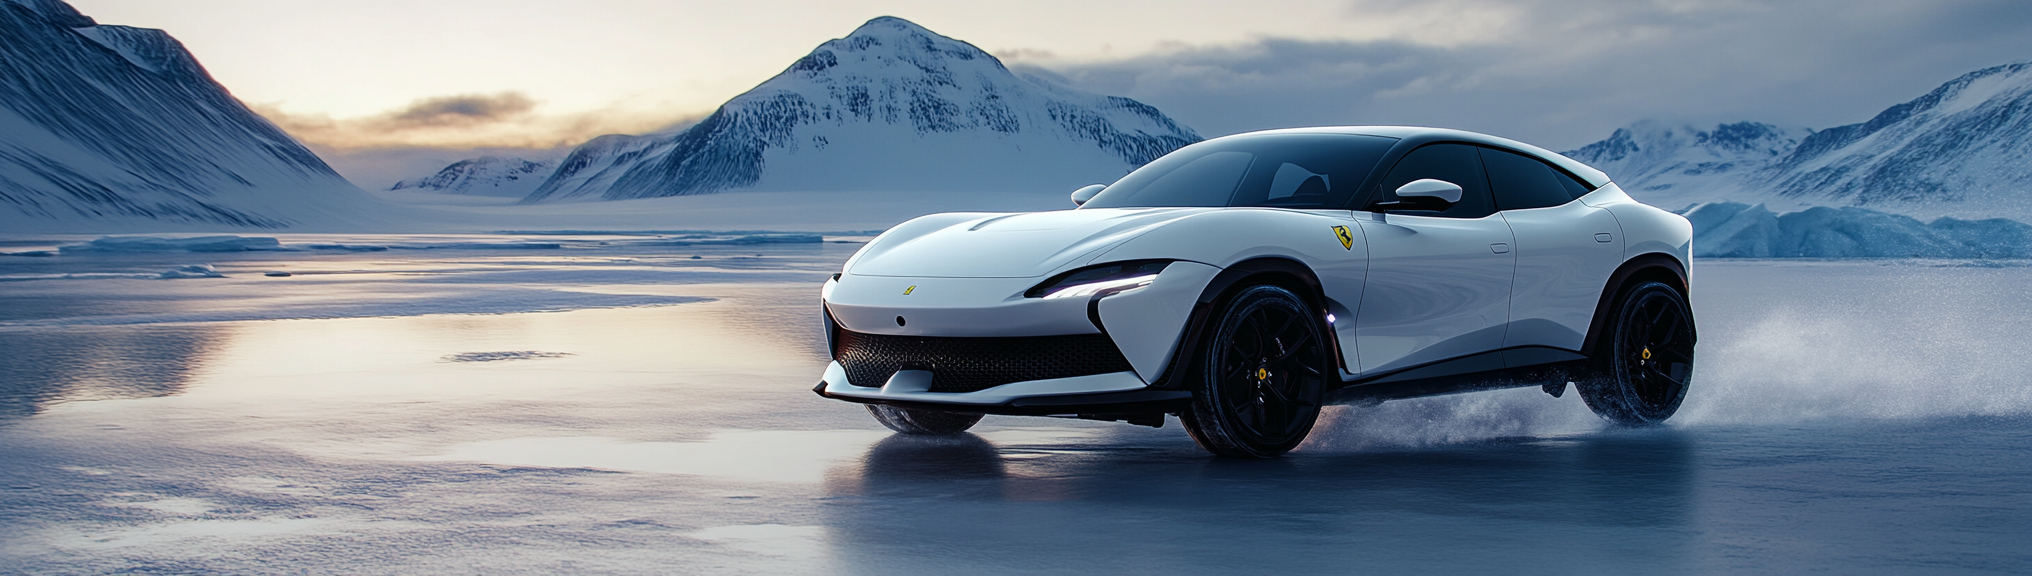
[(923, 422), (1649, 361), (1261, 377)]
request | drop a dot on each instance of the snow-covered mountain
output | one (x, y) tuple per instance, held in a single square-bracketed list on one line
[(1964, 149), (892, 106), (1652, 157), (119, 128), (484, 176), (1967, 142)]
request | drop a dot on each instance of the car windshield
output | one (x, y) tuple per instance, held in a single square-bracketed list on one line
[(1280, 170)]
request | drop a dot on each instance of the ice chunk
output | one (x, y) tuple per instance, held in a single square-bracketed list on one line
[(191, 271)]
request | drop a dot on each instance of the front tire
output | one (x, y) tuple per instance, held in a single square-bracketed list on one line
[(1649, 358), (1261, 377), (923, 422)]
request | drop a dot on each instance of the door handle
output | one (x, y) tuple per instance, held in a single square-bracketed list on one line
[(1604, 237), (1500, 247)]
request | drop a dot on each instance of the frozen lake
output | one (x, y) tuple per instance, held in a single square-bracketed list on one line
[(494, 404)]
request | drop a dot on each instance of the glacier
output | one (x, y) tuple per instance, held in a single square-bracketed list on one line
[(892, 106), (1738, 230), (119, 128)]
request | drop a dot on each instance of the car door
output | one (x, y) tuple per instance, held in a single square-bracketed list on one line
[(1566, 251), (1438, 281)]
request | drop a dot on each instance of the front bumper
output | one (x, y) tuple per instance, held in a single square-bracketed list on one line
[(1112, 393), (996, 351)]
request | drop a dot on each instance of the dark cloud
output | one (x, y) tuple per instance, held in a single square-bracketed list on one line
[(1563, 73), (464, 109)]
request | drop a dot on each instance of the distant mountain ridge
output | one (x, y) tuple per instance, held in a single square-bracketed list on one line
[(1965, 148), (1653, 156), (113, 126), (484, 176), (891, 106)]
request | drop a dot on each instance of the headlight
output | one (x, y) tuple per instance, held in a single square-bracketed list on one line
[(1102, 280)]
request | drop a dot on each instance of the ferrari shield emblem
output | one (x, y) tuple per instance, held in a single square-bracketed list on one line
[(912, 288), (1347, 238)]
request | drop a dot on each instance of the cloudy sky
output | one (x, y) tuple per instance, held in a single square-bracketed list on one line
[(413, 82)]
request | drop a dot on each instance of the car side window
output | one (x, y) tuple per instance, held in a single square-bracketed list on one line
[(1456, 163), (1574, 187), (1521, 182)]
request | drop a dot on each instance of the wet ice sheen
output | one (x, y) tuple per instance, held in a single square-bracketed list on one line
[(1847, 417), (747, 455)]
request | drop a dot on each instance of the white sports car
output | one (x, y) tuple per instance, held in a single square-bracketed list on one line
[(1243, 282)]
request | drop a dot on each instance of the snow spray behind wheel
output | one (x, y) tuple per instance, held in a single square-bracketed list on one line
[(1783, 342)]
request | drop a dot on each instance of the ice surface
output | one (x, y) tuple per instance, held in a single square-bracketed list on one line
[(1831, 399)]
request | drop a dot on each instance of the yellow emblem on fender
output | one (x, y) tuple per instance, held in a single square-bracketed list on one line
[(906, 291), (1347, 238)]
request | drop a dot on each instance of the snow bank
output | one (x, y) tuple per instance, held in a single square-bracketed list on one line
[(1737, 230), (147, 244)]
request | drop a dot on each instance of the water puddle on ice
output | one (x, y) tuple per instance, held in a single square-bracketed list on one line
[(769, 539), (751, 455)]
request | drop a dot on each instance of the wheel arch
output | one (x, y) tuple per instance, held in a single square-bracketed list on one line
[(1279, 271), (1651, 266)]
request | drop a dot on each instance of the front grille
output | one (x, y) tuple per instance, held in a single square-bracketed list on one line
[(971, 364)]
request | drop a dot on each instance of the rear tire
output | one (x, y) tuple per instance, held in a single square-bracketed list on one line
[(1261, 377), (923, 422), (1646, 361)]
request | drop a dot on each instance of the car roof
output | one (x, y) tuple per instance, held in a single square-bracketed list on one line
[(1422, 134)]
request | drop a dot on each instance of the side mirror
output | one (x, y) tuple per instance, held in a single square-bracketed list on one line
[(1429, 188), (1081, 196), (1423, 194)]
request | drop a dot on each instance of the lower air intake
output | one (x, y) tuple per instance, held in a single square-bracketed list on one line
[(971, 364)]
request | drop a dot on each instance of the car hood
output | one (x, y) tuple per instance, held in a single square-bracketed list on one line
[(1008, 245)]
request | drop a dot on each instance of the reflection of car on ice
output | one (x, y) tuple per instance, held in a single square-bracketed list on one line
[(1243, 282)]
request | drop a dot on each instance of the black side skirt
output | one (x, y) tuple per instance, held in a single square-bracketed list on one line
[(1550, 368)]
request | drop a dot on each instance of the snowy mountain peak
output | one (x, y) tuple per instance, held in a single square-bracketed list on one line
[(1968, 138), (56, 11), (1968, 91), (1655, 155), (484, 176), (112, 127), (1963, 149), (892, 106)]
